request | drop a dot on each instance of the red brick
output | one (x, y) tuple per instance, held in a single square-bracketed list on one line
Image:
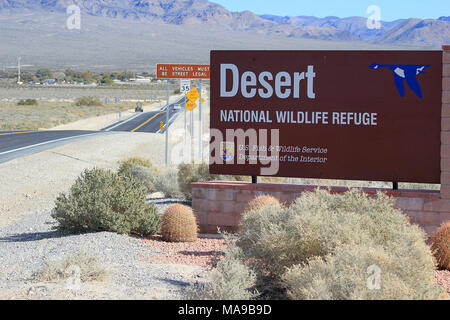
[(445, 124), (442, 205), (429, 230), (445, 151), (208, 229), (221, 195), (445, 137), (214, 206), (288, 198), (221, 220), (198, 193), (446, 57), (446, 84), (446, 110), (414, 216), (446, 71), (430, 218), (202, 218), (245, 196), (199, 205), (445, 216), (445, 191), (445, 164), (240, 207), (227, 207), (445, 96), (445, 177), (407, 204)]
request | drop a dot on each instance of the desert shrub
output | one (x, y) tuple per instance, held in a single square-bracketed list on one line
[(126, 166), (440, 245), (140, 169), (179, 224), (360, 272), (27, 102), (189, 173), (274, 238), (82, 264), (262, 201), (145, 176), (101, 200), (230, 280), (166, 182), (88, 102)]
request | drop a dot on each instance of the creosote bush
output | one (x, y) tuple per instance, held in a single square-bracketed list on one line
[(101, 200), (141, 170), (323, 246), (179, 224), (440, 244), (82, 265), (126, 166)]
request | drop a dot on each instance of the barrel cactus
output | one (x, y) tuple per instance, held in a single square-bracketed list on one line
[(440, 244), (262, 201), (179, 224)]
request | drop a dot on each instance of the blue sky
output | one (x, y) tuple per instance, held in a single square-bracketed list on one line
[(390, 9)]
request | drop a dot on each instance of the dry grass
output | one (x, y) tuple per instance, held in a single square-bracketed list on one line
[(50, 114), (82, 265)]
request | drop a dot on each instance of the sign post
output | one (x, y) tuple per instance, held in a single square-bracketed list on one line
[(182, 71), (167, 122)]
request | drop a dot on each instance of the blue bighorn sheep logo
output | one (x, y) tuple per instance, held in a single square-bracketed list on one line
[(402, 72)]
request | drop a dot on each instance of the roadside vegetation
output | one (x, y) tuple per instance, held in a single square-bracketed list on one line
[(27, 102), (325, 246), (322, 246), (46, 114), (102, 200), (81, 266)]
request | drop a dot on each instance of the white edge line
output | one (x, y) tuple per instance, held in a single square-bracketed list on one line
[(47, 142), (123, 122)]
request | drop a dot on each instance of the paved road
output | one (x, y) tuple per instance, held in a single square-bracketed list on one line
[(15, 144), (148, 121)]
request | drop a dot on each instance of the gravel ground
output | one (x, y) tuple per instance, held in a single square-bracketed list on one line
[(28, 188), (443, 279), (134, 268)]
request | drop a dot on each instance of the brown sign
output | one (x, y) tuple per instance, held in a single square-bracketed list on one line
[(359, 115), (182, 71)]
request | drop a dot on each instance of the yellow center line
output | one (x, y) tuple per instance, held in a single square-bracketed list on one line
[(8, 133), (146, 122)]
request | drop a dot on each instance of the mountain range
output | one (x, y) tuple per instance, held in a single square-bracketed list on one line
[(411, 31), (207, 22)]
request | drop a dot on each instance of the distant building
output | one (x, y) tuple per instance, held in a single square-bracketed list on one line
[(49, 81), (140, 79)]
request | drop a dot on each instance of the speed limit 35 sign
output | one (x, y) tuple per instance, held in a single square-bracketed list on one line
[(185, 86)]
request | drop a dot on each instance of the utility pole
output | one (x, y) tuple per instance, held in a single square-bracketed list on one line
[(185, 121), (18, 69)]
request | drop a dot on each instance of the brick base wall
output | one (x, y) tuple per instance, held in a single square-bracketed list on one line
[(221, 204)]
